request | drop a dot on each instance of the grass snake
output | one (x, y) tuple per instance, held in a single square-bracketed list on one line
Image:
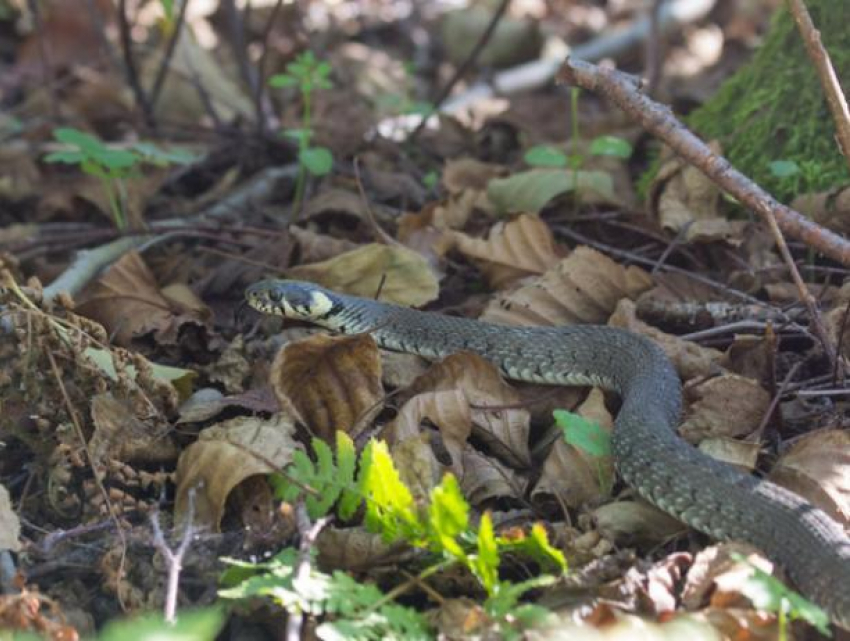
[(708, 495)]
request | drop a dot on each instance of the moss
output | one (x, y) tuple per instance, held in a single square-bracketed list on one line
[(773, 108)]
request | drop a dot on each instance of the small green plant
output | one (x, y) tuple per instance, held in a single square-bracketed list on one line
[(589, 437), (112, 166), (442, 527), (306, 73), (771, 595)]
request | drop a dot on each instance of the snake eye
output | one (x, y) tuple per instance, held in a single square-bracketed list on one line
[(274, 295)]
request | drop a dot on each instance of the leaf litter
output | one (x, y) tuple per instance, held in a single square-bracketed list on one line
[(99, 432)]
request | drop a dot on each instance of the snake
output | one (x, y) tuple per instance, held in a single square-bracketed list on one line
[(708, 495)]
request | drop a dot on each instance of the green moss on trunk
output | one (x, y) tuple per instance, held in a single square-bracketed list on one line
[(773, 108)]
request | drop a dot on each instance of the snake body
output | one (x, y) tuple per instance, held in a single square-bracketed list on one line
[(708, 495)]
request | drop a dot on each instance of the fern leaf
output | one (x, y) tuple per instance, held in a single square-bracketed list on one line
[(448, 517), (390, 508), (346, 457)]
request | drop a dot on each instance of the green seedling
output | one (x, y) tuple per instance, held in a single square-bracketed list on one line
[(442, 528), (307, 74), (113, 167)]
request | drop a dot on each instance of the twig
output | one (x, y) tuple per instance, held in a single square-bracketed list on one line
[(467, 64), (130, 64), (44, 56), (113, 513), (653, 50), (309, 533), (174, 558), (659, 120), (260, 95), (239, 45), (162, 72), (88, 263), (828, 80)]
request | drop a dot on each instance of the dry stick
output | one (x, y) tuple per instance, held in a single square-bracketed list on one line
[(828, 80), (44, 56), (113, 513), (260, 95), (309, 533), (460, 72), (169, 54), (130, 64), (653, 49), (174, 558), (659, 120)]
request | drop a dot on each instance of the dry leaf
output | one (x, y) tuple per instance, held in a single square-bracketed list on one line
[(332, 382), (817, 467), (460, 175), (354, 549), (397, 274), (221, 459), (681, 196), (714, 567), (830, 208), (486, 479), (741, 454), (497, 418), (10, 525), (417, 466), (585, 287), (120, 436), (635, 522), (691, 360), (448, 410), (314, 247), (715, 401), (513, 250), (572, 474), (128, 303)]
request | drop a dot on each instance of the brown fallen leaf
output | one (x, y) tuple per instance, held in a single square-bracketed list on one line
[(417, 466), (10, 525), (573, 475), (332, 382), (119, 435), (691, 360), (460, 175), (221, 459), (817, 467), (399, 275), (449, 410), (128, 303), (355, 549), (714, 568), (636, 522), (711, 403), (497, 417), (314, 247), (830, 208), (585, 287), (742, 454), (513, 250), (485, 479)]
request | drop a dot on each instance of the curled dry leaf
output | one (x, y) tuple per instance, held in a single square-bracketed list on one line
[(417, 466), (449, 410), (683, 198), (742, 454), (818, 468), (10, 526), (691, 360), (128, 303), (516, 249), (222, 458), (635, 522), (585, 287), (399, 275), (497, 417), (332, 382), (716, 577), (314, 247), (725, 406), (462, 175), (486, 479), (355, 549), (119, 435), (400, 370), (571, 474)]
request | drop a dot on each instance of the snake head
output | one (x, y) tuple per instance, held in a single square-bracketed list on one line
[(290, 299)]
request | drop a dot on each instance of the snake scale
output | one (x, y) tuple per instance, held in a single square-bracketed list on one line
[(708, 495)]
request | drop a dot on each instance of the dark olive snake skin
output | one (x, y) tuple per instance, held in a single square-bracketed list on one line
[(708, 495)]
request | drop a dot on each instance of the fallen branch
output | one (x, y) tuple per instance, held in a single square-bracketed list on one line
[(656, 118)]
